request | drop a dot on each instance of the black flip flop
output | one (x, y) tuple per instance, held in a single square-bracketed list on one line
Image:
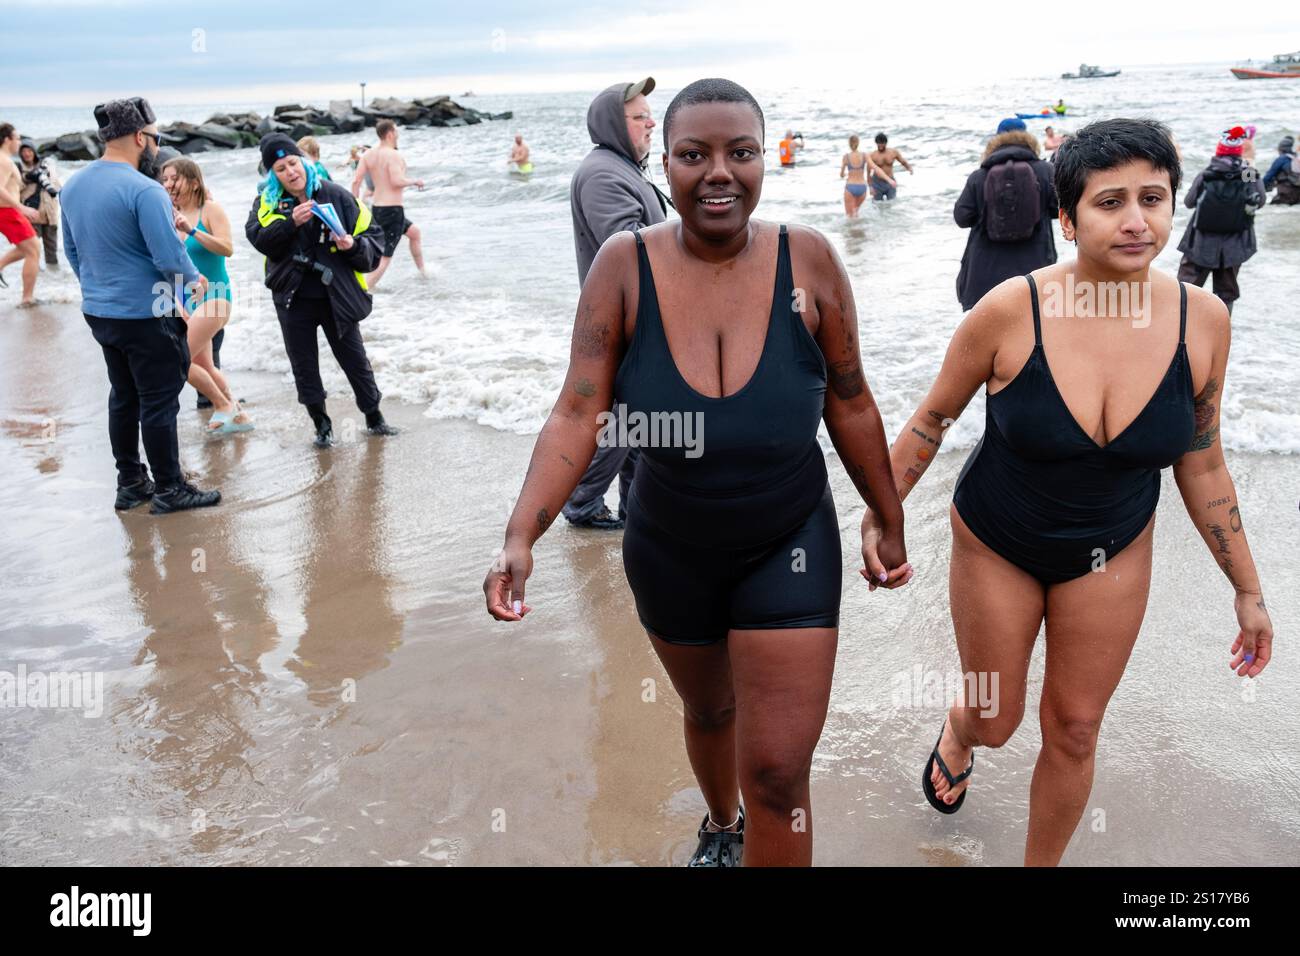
[(928, 788)]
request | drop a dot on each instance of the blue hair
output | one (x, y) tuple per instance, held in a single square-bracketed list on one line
[(273, 189)]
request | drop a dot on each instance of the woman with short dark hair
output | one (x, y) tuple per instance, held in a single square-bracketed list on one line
[(1090, 396)]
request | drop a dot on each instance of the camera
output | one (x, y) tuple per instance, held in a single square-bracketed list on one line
[(41, 177), (326, 273)]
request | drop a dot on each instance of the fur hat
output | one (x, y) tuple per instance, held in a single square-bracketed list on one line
[(123, 117)]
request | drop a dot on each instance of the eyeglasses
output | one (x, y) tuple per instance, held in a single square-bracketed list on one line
[(639, 117)]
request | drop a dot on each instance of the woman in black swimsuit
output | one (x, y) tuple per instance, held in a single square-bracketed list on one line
[(720, 334), (1052, 515)]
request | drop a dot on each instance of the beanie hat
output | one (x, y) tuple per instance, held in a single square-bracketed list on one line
[(275, 146), (118, 118), (1008, 125), (1286, 144), (1230, 142)]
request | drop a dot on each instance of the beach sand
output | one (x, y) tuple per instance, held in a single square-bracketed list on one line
[(306, 674)]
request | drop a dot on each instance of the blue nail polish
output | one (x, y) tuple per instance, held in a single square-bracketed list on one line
[(1250, 658)]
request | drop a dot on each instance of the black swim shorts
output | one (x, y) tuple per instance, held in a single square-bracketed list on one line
[(687, 594), (392, 219)]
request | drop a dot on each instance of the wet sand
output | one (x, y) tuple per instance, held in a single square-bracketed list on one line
[(306, 674)]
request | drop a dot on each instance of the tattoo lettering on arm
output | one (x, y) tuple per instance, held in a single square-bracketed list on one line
[(1218, 501), (846, 379), (1204, 410), (922, 435)]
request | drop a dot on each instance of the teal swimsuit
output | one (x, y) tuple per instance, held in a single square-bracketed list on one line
[(211, 265)]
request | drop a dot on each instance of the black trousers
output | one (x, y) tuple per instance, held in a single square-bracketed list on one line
[(148, 361), (1225, 280), (298, 325)]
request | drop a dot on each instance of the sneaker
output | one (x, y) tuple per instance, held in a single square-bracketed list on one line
[(602, 520), (719, 847), (136, 493), (182, 496)]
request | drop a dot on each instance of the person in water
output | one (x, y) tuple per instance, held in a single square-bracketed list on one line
[(519, 155), (203, 226), (386, 168), (310, 147), (1053, 512), (1060, 108), (856, 165), (790, 144), (883, 183), (745, 333), (317, 278)]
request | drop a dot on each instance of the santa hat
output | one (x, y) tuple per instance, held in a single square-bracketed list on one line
[(1230, 142)]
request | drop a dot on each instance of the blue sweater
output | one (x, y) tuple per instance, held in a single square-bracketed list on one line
[(121, 241)]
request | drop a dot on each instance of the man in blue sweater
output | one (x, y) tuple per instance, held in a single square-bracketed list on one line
[(119, 237)]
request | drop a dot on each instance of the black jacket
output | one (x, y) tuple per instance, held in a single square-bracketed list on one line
[(272, 233), (985, 262), (1220, 250)]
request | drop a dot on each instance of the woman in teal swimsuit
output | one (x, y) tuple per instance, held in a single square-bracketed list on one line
[(203, 226)]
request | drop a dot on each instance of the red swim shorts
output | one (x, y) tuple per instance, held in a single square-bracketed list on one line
[(14, 225)]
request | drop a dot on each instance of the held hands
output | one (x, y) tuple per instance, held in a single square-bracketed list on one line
[(344, 243), (504, 585), (1253, 648), (884, 554)]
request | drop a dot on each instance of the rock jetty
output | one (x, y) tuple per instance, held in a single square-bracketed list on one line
[(236, 130)]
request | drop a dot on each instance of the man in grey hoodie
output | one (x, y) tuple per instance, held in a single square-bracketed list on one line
[(610, 193)]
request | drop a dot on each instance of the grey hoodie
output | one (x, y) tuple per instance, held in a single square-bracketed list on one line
[(609, 193)]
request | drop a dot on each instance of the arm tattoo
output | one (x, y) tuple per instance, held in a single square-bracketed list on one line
[(1234, 518), (846, 379), (589, 335), (920, 434), (543, 519), (1221, 537), (568, 461), (584, 388), (1204, 410)]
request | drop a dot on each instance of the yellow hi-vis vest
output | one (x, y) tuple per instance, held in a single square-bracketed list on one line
[(266, 215)]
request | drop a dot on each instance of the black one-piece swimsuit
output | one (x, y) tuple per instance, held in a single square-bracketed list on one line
[(1040, 492)]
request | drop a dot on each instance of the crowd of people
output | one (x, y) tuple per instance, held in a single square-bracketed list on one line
[(733, 555)]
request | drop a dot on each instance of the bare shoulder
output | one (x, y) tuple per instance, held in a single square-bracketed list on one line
[(1206, 311), (811, 252), (1005, 308)]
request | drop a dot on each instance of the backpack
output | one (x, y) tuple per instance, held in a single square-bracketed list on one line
[(1013, 204), (1222, 206)]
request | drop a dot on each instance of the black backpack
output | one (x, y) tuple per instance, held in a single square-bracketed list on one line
[(1222, 206), (1013, 203)]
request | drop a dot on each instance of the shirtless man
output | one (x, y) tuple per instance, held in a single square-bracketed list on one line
[(15, 218), (387, 169), (886, 187), (519, 156), (1052, 140)]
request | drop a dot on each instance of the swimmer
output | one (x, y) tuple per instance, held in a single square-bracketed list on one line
[(202, 224), (1053, 514), (1052, 140), (884, 185), (789, 144), (855, 164), (519, 156), (732, 544), (388, 170)]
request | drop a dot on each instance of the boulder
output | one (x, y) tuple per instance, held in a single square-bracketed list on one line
[(221, 119), (296, 116), (508, 114), (455, 121), (268, 125), (340, 108), (286, 108), (47, 146), (219, 135), (308, 129), (197, 145), (79, 146), (351, 124)]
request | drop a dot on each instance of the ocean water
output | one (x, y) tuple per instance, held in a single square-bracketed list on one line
[(486, 336)]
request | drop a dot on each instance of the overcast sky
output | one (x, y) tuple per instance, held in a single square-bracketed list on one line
[(68, 52)]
